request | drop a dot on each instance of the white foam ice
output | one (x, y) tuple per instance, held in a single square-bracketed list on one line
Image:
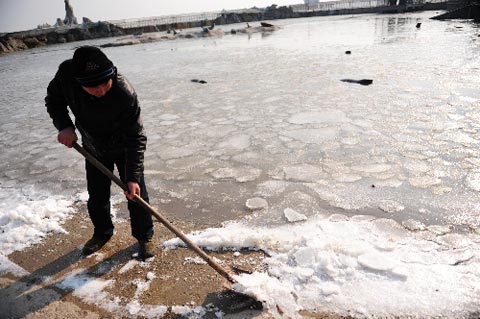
[(424, 181), (417, 167), (346, 178), (457, 136), (240, 174), (235, 143), (326, 116), (313, 136), (372, 168), (256, 203), (413, 225), (391, 182), (472, 181), (171, 152), (343, 265), (272, 187), (168, 117), (390, 206), (249, 158), (304, 173)]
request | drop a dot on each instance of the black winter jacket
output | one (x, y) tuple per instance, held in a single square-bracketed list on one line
[(107, 124)]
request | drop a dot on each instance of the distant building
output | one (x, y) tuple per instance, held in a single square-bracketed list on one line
[(309, 2)]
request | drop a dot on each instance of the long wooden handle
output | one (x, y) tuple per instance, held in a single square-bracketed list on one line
[(221, 270)]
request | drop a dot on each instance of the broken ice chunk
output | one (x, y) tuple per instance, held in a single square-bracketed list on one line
[(376, 262), (292, 216), (256, 203), (390, 206), (413, 225)]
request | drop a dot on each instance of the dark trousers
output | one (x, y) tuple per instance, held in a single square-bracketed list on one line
[(98, 186)]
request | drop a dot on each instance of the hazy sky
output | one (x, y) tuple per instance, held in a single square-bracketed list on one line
[(18, 15)]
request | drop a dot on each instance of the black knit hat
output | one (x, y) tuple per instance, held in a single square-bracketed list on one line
[(91, 67)]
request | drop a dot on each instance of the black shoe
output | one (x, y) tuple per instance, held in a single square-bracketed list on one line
[(146, 249), (94, 244)]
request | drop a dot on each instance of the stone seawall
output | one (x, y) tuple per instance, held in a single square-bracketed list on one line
[(17, 41)]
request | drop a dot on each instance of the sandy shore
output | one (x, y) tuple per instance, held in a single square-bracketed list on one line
[(178, 279)]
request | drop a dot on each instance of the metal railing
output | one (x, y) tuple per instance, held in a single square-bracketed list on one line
[(165, 20), (354, 4), (338, 5)]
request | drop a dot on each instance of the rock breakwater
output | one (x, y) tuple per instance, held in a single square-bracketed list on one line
[(17, 41)]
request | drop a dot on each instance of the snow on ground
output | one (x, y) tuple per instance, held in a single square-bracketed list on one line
[(25, 219), (94, 291), (360, 265), (6, 266), (28, 217)]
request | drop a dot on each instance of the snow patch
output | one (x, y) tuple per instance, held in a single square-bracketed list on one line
[(27, 220)]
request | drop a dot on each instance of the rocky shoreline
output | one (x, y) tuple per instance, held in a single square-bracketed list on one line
[(18, 41)]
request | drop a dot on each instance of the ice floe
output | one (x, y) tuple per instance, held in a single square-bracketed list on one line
[(256, 203), (293, 216)]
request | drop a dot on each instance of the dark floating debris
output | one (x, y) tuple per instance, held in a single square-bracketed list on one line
[(373, 185), (207, 29), (361, 82), (198, 81), (419, 25), (348, 52), (266, 25)]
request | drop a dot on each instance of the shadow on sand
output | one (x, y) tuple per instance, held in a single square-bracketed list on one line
[(37, 290)]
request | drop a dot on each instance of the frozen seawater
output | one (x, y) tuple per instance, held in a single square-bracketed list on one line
[(276, 122)]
